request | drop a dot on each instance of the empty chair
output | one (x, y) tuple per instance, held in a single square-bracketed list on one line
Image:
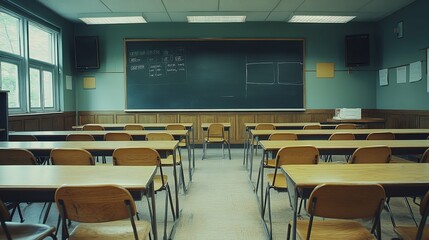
[(13, 230), (103, 212), (71, 156), (262, 126), (340, 136), (182, 141), (371, 154), (133, 127), (168, 160), (344, 203), (346, 126), (420, 232), (381, 136), (277, 180), (79, 137), (216, 135), (117, 136), (425, 157), (92, 127), (146, 157), (312, 127)]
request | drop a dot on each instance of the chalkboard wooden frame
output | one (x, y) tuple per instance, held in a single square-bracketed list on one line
[(163, 75)]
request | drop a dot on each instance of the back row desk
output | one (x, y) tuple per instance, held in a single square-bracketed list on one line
[(43, 148), (398, 180), (39, 183), (324, 134), (99, 135)]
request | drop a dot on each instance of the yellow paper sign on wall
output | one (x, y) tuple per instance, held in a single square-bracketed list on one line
[(89, 82), (325, 70)]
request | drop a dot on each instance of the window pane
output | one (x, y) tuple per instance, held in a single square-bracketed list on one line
[(48, 90), (40, 44), (9, 81), (34, 88), (9, 33)]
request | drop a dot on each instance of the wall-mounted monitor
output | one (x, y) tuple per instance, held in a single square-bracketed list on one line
[(86, 52), (357, 50)]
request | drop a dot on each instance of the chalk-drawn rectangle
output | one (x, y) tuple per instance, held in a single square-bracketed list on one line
[(260, 73)]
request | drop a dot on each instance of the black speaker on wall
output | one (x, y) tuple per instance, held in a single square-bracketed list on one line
[(86, 52), (357, 50)]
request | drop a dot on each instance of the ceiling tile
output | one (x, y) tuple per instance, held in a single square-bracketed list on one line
[(288, 5), (191, 5), (387, 6), (332, 5), (135, 5), (279, 16), (72, 9), (156, 17), (247, 5)]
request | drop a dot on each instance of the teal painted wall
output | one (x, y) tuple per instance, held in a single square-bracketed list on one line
[(395, 52), (324, 43)]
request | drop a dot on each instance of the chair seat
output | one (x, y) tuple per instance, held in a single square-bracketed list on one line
[(110, 230), (157, 182), (334, 229), (214, 140), (270, 163), (280, 183), (169, 160), (410, 232), (27, 231)]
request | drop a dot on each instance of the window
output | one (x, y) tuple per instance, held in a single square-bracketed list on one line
[(28, 63)]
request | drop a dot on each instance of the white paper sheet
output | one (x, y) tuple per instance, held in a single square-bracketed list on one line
[(415, 71), (401, 74), (69, 82), (383, 77)]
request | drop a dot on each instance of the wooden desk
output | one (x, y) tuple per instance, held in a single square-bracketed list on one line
[(100, 148), (364, 121), (39, 183), (227, 127), (398, 180)]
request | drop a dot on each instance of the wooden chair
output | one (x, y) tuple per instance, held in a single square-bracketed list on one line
[(133, 127), (13, 230), (101, 210), (182, 141), (271, 163), (146, 157), (277, 180), (312, 127), (167, 161), (381, 136), (216, 135), (346, 126), (16, 156), (425, 157), (92, 127), (344, 203), (117, 136), (371, 154), (79, 137), (262, 126), (71, 156), (340, 136), (420, 232)]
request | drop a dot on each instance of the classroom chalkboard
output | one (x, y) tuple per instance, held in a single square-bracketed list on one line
[(214, 74)]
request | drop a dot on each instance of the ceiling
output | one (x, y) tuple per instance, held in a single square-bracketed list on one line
[(255, 10)]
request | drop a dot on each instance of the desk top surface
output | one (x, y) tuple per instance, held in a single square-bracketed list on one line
[(331, 131), (65, 133), (148, 125), (385, 174), (206, 125), (51, 177), (362, 120), (90, 145)]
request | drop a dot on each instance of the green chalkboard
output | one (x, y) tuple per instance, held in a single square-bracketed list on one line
[(234, 74)]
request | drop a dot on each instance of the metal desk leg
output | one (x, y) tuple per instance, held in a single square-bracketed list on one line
[(252, 149)]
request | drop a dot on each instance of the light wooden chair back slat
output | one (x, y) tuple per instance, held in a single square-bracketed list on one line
[(92, 127), (312, 127), (133, 127), (17, 156), (71, 156), (136, 157), (215, 132), (381, 136), (371, 154), (283, 137), (159, 136), (346, 126), (297, 155), (117, 136), (342, 136), (425, 157), (175, 127), (265, 126), (79, 137)]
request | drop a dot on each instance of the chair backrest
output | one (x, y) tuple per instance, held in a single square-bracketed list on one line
[(175, 127), (159, 136), (95, 203), (297, 155), (371, 154), (4, 213), (133, 127), (312, 127), (346, 201), (282, 136), (381, 136), (92, 127), (425, 157), (215, 130), (136, 157), (17, 156), (71, 156), (22, 138), (424, 212), (79, 137), (265, 126), (342, 136), (346, 126), (117, 136)]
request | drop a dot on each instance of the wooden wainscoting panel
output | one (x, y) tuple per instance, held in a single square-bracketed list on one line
[(69, 121), (125, 118), (190, 118), (32, 124), (241, 120), (106, 118), (424, 122), (146, 118), (265, 118), (86, 118), (46, 124), (58, 122), (167, 118), (302, 117), (229, 118), (16, 125), (284, 117)]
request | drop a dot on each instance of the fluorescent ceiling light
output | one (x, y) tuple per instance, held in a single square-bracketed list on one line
[(113, 20), (215, 19), (320, 19)]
